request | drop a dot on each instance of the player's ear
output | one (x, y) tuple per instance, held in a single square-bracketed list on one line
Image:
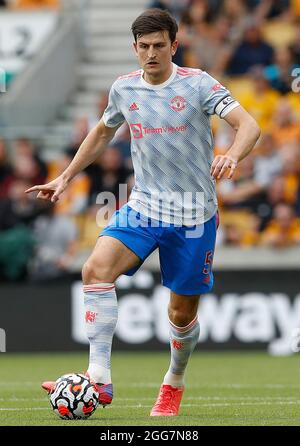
[(135, 48), (174, 47)]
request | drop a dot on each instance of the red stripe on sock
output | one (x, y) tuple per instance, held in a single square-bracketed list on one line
[(97, 288), (187, 328)]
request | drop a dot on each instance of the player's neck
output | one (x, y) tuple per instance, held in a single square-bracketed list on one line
[(159, 78)]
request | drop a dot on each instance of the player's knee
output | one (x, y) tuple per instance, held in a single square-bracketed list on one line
[(96, 272), (180, 316)]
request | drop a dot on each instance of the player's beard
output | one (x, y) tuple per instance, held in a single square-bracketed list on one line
[(156, 71)]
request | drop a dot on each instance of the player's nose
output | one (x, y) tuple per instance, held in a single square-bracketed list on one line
[(151, 53)]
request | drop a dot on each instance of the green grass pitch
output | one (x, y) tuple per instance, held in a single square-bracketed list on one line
[(232, 389)]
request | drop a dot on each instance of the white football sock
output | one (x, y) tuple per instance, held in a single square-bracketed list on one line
[(101, 314), (182, 341)]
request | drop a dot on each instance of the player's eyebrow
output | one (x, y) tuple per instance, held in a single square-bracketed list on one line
[(155, 44)]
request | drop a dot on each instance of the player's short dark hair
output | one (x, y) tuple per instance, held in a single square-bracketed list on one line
[(154, 20)]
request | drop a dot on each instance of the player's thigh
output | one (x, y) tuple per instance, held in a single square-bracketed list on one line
[(109, 259)]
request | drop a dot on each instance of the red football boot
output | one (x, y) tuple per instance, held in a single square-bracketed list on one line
[(105, 391), (49, 386), (168, 401)]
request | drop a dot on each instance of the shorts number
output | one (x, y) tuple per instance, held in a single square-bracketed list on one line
[(208, 262)]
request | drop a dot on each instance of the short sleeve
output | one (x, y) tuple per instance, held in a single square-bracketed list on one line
[(215, 98), (112, 115)]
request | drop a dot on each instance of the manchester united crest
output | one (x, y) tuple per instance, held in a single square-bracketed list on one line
[(178, 103)]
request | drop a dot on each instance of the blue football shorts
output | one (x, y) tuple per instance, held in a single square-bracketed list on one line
[(185, 252)]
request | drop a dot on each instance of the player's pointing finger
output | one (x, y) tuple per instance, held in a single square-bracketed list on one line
[(34, 188)]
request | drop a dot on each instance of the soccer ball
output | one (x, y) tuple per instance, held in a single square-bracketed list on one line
[(74, 397)]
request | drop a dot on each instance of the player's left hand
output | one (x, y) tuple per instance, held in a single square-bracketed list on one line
[(221, 164)]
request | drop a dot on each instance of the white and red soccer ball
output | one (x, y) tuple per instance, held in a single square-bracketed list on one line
[(74, 397)]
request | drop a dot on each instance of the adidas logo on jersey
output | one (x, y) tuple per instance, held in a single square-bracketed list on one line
[(133, 107)]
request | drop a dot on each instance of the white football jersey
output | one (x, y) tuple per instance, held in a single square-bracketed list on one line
[(171, 141)]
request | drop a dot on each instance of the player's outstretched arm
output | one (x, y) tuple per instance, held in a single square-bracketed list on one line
[(247, 134), (91, 148)]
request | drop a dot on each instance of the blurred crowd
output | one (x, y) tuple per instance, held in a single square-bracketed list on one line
[(30, 4), (253, 47), (38, 239)]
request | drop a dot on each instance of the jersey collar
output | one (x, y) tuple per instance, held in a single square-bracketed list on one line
[(159, 86)]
